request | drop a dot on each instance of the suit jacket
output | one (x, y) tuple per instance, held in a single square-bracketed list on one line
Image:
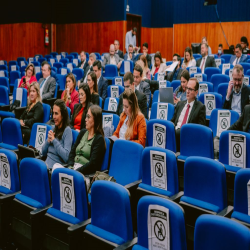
[(210, 62), (170, 75), (49, 88), (86, 72), (106, 59), (242, 59), (145, 88), (142, 102), (102, 87), (197, 115), (84, 66), (83, 123), (245, 92), (148, 57), (119, 53), (243, 123), (126, 57), (95, 99)]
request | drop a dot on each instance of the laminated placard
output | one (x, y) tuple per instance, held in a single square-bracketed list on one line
[(112, 104), (203, 88), (199, 77), (58, 57), (79, 57), (107, 120), (223, 121), (70, 66), (19, 95), (23, 63), (162, 110), (126, 66), (246, 80), (13, 67), (75, 61), (114, 91), (192, 70), (118, 81), (37, 57), (158, 169), (237, 150), (248, 196), (40, 137), (158, 228), (64, 71), (2, 74), (31, 59), (225, 66), (52, 61), (67, 194), (162, 84), (1, 62), (18, 81), (63, 54), (5, 171), (37, 69), (152, 59), (209, 103), (160, 77), (217, 62), (159, 135), (231, 74)]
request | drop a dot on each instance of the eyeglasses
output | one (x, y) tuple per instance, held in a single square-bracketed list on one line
[(126, 87), (189, 89), (88, 116), (237, 80)]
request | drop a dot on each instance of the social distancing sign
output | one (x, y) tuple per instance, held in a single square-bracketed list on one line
[(126, 66), (114, 91), (162, 110), (19, 95), (192, 70), (160, 77), (217, 62), (225, 66), (158, 228), (209, 103), (75, 61), (248, 197), (52, 61), (203, 88), (246, 80), (162, 84), (199, 77), (40, 137), (13, 67), (112, 104), (223, 121), (5, 171), (64, 71), (107, 120), (118, 81), (159, 135)]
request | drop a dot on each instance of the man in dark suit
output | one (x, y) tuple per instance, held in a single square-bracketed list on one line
[(117, 51), (237, 93), (176, 74), (142, 99), (83, 65), (92, 58), (112, 58), (145, 52), (189, 111), (101, 81), (205, 61), (238, 57)]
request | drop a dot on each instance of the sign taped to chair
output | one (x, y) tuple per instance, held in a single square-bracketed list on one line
[(31, 59), (225, 66), (158, 228), (18, 81), (1, 62), (63, 71), (112, 104), (162, 84), (19, 95), (36, 58), (70, 66), (162, 111), (52, 61), (248, 196), (209, 103), (159, 135), (63, 54), (22, 63), (75, 61), (40, 137), (203, 88), (231, 74), (107, 120), (13, 67), (160, 77), (2, 74), (237, 150), (126, 66), (199, 77), (5, 171), (192, 70), (118, 81), (67, 194), (217, 62), (114, 91), (37, 69), (58, 57), (223, 121), (158, 169), (246, 80)]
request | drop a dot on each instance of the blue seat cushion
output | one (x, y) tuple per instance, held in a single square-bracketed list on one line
[(7, 146), (231, 168), (182, 157), (89, 198), (29, 201), (63, 216), (241, 217), (155, 190), (138, 247), (5, 190), (7, 114), (105, 234), (201, 204)]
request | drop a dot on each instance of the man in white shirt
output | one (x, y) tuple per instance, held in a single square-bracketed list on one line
[(189, 111), (92, 58), (112, 58), (238, 57), (131, 38)]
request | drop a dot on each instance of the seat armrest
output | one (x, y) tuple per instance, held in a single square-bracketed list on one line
[(8, 197), (176, 197), (5, 108), (79, 226), (39, 211), (132, 185), (50, 101), (177, 154), (19, 111), (226, 212), (127, 245)]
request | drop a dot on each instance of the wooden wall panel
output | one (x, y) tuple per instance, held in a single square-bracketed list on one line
[(185, 34), (22, 39)]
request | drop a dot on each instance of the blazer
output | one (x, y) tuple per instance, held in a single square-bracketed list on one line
[(84, 66), (145, 88), (95, 99), (34, 115), (210, 62), (162, 69), (49, 88), (243, 58), (149, 59), (170, 75), (83, 122), (142, 102), (103, 87), (87, 69), (97, 153), (106, 59), (243, 123), (126, 57), (119, 53), (139, 129), (74, 99), (197, 115), (245, 92)]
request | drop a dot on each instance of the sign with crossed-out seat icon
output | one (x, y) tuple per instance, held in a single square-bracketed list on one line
[(210, 105), (224, 123), (67, 194)]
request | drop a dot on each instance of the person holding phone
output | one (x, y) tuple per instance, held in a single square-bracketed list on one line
[(129, 56), (30, 76)]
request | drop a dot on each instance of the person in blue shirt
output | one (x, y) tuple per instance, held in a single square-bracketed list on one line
[(180, 92), (131, 39)]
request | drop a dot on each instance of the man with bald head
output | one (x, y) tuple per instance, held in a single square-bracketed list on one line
[(112, 58)]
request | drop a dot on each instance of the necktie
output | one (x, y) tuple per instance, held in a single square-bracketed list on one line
[(185, 116), (202, 65), (237, 60), (42, 83)]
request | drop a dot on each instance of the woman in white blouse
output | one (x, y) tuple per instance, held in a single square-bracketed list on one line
[(189, 60)]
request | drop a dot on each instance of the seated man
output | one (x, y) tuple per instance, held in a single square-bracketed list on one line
[(220, 50), (130, 55), (205, 61), (244, 45), (117, 51), (237, 93), (176, 74), (92, 58), (145, 52), (139, 84), (101, 81), (112, 58), (238, 57), (83, 64), (142, 99), (188, 111), (47, 83)]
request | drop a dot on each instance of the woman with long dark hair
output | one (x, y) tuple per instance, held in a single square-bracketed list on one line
[(92, 82)]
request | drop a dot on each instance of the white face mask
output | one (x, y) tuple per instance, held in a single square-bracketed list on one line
[(219, 51)]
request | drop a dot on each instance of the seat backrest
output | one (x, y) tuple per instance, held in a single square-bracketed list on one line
[(111, 70), (113, 106), (14, 75), (217, 232), (203, 77), (20, 94), (4, 81), (209, 71), (205, 180), (209, 104), (165, 111), (110, 209), (125, 163), (74, 134), (177, 232), (222, 90), (4, 95), (175, 84), (155, 134), (202, 88), (115, 91), (64, 71), (61, 80), (194, 70), (226, 57), (216, 79), (155, 96), (78, 72), (46, 112), (100, 102), (246, 66), (118, 81), (105, 163), (115, 120)]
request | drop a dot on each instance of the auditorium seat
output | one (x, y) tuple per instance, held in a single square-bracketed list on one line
[(118, 81), (113, 89), (226, 57), (4, 73), (37, 56), (227, 70), (130, 65), (70, 58), (13, 76), (74, 54), (156, 97), (33, 134), (216, 79), (14, 68), (197, 56), (204, 76), (169, 63), (3, 67), (61, 81), (111, 71), (246, 67), (46, 112), (36, 63), (209, 71), (101, 102), (112, 107), (248, 72), (137, 57), (194, 70), (4, 81), (115, 120), (79, 73), (210, 87), (64, 61), (64, 54), (175, 84), (4, 96), (41, 60), (48, 57), (162, 115), (222, 90), (54, 54), (12, 63), (64, 71), (98, 56), (74, 134)]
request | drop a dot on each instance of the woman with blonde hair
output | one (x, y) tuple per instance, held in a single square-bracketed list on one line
[(33, 113), (144, 64), (132, 125), (189, 60), (30, 76)]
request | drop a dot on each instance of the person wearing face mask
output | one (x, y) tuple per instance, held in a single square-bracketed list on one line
[(220, 50), (131, 39), (30, 76), (112, 58), (237, 93)]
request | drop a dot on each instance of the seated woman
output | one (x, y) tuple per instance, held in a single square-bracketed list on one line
[(189, 60), (89, 149), (70, 96), (159, 66), (33, 113), (132, 125), (92, 82), (30, 76), (80, 110), (59, 142), (144, 64), (180, 92)]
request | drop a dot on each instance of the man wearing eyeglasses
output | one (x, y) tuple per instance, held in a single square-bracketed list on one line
[(237, 93), (238, 57), (188, 111)]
